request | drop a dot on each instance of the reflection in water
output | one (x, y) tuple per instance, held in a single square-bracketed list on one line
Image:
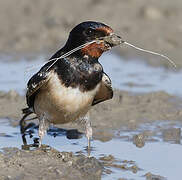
[(31, 129)]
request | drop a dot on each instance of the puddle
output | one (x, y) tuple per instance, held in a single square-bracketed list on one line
[(156, 156), (134, 76)]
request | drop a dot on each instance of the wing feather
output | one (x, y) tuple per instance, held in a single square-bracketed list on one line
[(105, 92), (35, 83)]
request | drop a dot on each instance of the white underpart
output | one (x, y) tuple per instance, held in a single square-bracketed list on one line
[(63, 104)]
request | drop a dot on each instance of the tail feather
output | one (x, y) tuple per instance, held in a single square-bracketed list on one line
[(27, 111)]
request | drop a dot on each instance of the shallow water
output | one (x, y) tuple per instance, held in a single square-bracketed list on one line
[(15, 74), (155, 155), (159, 155), (134, 76), (137, 76)]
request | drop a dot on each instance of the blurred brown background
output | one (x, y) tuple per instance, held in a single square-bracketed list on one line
[(42, 26)]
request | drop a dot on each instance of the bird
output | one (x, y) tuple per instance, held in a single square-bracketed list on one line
[(66, 88)]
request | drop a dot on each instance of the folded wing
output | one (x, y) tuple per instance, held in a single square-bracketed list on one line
[(105, 92)]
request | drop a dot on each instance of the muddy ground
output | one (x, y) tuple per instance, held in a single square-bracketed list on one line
[(42, 26), (47, 164), (30, 28), (125, 110)]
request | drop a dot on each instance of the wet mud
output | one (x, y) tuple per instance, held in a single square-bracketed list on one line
[(124, 109), (47, 164), (138, 119)]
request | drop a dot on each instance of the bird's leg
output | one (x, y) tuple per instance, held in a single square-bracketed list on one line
[(43, 126), (88, 132), (23, 127), (23, 123)]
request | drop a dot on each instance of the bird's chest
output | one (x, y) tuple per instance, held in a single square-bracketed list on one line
[(84, 75), (63, 104)]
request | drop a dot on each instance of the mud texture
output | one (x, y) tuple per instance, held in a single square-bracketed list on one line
[(10, 106), (110, 161), (36, 26), (125, 109), (47, 164), (150, 176)]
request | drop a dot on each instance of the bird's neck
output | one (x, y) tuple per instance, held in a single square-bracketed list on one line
[(76, 56)]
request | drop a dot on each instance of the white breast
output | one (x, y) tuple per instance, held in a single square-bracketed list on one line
[(62, 104)]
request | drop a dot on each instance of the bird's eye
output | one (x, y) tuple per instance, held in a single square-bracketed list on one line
[(90, 32)]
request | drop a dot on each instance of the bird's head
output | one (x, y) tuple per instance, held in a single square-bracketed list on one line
[(89, 31)]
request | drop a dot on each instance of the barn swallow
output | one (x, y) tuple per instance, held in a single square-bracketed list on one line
[(65, 91)]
